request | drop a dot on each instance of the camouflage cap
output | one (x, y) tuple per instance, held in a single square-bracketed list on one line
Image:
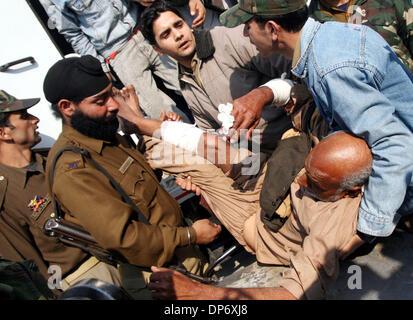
[(246, 9), (8, 103)]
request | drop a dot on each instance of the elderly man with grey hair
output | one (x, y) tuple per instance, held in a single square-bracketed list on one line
[(324, 199)]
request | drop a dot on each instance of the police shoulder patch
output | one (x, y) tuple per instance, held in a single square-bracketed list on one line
[(72, 161), (73, 165)]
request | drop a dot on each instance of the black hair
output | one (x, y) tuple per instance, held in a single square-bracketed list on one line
[(291, 22), (4, 119), (56, 111), (150, 14)]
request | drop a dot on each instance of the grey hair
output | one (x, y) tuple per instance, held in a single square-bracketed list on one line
[(357, 179)]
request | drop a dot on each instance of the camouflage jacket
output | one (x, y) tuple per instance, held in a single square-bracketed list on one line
[(392, 19)]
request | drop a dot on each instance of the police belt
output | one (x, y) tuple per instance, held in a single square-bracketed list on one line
[(81, 270)]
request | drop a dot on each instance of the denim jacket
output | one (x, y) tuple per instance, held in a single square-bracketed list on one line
[(360, 86), (95, 27)]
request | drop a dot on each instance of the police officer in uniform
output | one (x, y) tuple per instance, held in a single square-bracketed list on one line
[(25, 203), (81, 93)]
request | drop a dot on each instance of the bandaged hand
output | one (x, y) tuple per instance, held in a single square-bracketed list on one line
[(281, 89), (225, 117), (182, 135)]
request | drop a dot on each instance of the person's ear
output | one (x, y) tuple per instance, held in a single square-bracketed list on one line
[(353, 192), (302, 180), (4, 133), (157, 49), (66, 107), (273, 28)]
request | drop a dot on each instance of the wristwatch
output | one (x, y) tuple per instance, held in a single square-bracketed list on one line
[(366, 237)]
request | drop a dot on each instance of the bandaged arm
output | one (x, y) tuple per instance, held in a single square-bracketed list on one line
[(191, 138), (183, 135), (281, 89)]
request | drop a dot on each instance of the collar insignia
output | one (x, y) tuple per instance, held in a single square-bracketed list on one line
[(37, 205)]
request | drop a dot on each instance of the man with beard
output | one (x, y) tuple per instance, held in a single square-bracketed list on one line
[(82, 94), (324, 199), (25, 204)]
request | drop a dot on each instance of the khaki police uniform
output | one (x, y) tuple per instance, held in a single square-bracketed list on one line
[(25, 207), (87, 198)]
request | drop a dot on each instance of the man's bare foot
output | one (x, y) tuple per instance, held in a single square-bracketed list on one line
[(129, 110), (129, 107), (129, 94)]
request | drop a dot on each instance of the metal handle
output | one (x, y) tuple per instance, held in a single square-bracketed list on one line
[(7, 66)]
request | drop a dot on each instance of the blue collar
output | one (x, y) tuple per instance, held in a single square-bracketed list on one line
[(307, 35)]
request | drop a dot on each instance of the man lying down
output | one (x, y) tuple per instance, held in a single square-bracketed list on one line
[(324, 200)]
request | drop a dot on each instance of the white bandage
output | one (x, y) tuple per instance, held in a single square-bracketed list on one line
[(181, 134), (281, 89), (225, 117)]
